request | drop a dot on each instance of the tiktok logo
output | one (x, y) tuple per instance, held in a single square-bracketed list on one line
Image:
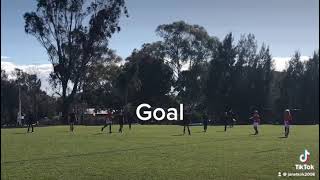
[(304, 158)]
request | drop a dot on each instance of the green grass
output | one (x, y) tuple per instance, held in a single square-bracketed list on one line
[(155, 152)]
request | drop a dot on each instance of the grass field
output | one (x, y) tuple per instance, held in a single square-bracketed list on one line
[(156, 152)]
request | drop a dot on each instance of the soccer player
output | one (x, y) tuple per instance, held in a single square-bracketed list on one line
[(256, 121), (72, 119), (231, 118), (186, 122), (205, 123), (287, 122), (29, 119), (108, 121), (121, 117), (126, 115), (225, 118)]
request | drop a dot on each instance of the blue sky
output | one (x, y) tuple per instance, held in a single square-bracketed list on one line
[(285, 25)]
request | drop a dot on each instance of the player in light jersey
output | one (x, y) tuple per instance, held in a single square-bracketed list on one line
[(256, 121), (287, 121)]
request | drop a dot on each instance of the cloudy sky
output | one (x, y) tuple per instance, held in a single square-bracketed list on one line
[(285, 25)]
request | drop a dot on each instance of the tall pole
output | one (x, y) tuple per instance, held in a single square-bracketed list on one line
[(19, 113), (315, 95)]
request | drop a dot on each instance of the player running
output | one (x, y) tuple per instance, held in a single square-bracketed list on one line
[(231, 117), (108, 121), (256, 121), (287, 122), (225, 119)]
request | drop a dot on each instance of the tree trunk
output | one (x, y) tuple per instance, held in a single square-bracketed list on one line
[(125, 105), (65, 110), (67, 100), (65, 104)]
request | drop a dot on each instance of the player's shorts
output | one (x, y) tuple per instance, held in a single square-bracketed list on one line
[(255, 124), (286, 124)]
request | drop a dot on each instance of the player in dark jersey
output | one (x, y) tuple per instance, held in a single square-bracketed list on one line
[(121, 121), (72, 120), (29, 119), (205, 122), (225, 119), (186, 121)]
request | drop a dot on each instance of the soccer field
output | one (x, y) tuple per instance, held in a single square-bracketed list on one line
[(156, 152)]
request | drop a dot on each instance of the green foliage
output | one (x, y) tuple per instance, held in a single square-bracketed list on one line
[(185, 43), (75, 34), (186, 66), (98, 86), (300, 88), (33, 99)]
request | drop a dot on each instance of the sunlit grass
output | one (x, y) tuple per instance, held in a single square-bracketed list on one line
[(155, 152)]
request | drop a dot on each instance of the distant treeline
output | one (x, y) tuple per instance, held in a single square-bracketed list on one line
[(219, 75), (187, 66)]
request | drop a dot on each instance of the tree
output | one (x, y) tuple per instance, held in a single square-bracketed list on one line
[(32, 97), (293, 80), (310, 91), (9, 100), (126, 84), (300, 89), (245, 76), (291, 89), (30, 92), (265, 65), (184, 42), (154, 50), (98, 86), (218, 84), (191, 85), (155, 76), (74, 34), (189, 45)]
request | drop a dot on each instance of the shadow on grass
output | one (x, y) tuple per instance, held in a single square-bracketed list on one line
[(177, 135), (221, 131), (98, 133), (107, 133), (282, 137)]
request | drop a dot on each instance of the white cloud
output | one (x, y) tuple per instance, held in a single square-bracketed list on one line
[(5, 57), (42, 71), (281, 63)]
